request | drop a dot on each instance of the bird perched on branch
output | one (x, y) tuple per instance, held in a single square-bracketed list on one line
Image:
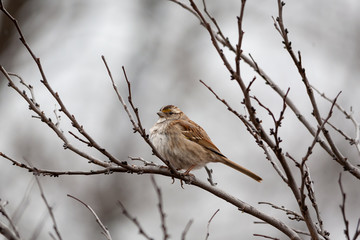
[(185, 144)]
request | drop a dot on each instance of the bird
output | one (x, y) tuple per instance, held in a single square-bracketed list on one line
[(185, 144)]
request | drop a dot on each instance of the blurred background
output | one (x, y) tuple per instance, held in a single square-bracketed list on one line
[(165, 52)]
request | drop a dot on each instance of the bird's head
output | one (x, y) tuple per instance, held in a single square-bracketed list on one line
[(170, 112)]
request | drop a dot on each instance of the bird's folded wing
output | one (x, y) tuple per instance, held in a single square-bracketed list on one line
[(195, 133)]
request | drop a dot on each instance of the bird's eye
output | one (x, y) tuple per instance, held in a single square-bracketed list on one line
[(171, 113)]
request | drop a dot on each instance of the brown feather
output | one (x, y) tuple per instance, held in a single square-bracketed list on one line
[(241, 169), (197, 134)]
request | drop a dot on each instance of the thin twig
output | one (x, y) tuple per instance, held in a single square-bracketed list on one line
[(43, 117), (161, 208), (118, 94), (135, 221), (252, 63), (265, 236), (255, 122), (55, 95), (137, 126), (277, 122), (24, 203), (52, 173), (343, 213), (353, 141), (241, 117), (291, 214), (214, 41), (105, 232), (50, 209), (39, 226), (210, 178), (80, 139), (305, 173), (251, 129), (310, 185), (186, 229), (240, 38), (219, 36), (342, 207), (7, 217), (297, 59), (208, 225), (7, 233), (146, 163)]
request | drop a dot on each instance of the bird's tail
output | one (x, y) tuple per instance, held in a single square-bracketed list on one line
[(241, 169)]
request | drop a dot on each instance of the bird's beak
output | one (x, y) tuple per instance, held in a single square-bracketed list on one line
[(161, 114)]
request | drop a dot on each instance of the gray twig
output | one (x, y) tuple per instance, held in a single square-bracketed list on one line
[(208, 224), (161, 208), (135, 221), (105, 232), (186, 229)]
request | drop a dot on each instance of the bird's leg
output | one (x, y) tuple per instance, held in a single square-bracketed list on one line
[(187, 172)]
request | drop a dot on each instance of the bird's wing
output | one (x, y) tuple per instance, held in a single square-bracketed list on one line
[(195, 133)]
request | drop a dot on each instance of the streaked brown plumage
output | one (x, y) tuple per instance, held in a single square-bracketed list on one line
[(185, 144)]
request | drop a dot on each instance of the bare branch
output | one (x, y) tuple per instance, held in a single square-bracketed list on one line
[(4, 230), (252, 63), (343, 213), (353, 141), (342, 207), (118, 94), (210, 178), (35, 107), (160, 207), (105, 230), (240, 38), (208, 225), (252, 114), (291, 214), (251, 129), (55, 95), (137, 127), (187, 227), (7, 233), (50, 209), (146, 163), (337, 155), (135, 221), (265, 236), (305, 174), (52, 173), (214, 41)]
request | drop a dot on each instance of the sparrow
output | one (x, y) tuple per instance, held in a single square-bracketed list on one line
[(185, 144)]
